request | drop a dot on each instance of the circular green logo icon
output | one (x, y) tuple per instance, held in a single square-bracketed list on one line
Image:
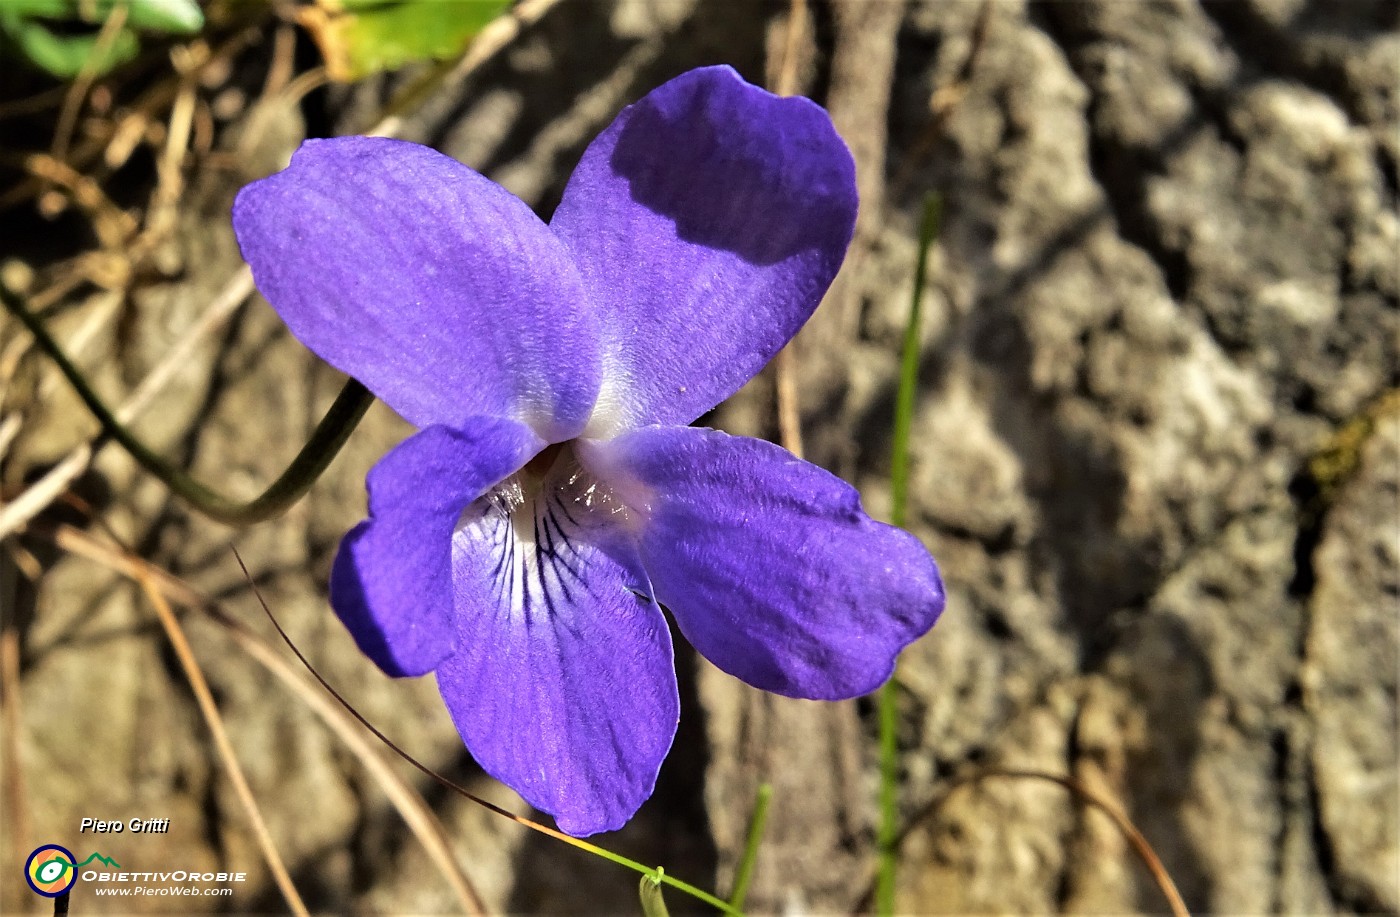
[(49, 870)]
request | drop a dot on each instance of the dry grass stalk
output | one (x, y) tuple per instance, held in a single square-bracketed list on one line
[(410, 804), (195, 676), (1141, 846), (789, 406)]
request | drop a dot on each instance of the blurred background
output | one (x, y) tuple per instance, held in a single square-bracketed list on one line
[(1156, 452)]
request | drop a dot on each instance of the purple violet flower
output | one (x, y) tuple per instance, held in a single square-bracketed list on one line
[(522, 543)]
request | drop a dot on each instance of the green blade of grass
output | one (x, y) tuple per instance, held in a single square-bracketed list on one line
[(899, 499), (744, 875)]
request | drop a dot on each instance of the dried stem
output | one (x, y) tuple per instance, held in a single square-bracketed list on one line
[(73, 100), (789, 405), (17, 816), (788, 402), (442, 781), (416, 813), (494, 38), (1141, 846), (195, 676)]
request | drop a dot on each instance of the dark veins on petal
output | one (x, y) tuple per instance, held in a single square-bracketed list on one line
[(536, 529)]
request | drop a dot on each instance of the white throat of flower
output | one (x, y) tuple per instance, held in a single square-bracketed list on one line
[(543, 523)]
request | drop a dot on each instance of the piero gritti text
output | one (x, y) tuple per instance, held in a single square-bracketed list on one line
[(134, 826)]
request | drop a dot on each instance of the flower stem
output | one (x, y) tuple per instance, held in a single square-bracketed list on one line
[(330, 435), (657, 876), (899, 499)]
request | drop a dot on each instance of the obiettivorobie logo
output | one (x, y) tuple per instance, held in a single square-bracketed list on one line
[(52, 870)]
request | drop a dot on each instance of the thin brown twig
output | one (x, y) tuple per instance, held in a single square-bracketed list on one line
[(195, 676), (1141, 846), (9, 427), (143, 111), (77, 93), (31, 105), (32, 501), (279, 74), (389, 743), (788, 401), (203, 143), (789, 406), (10, 711), (69, 273), (170, 182), (490, 41), (110, 223), (410, 804), (944, 102)]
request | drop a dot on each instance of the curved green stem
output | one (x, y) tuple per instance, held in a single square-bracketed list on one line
[(656, 876), (330, 435), (899, 499)]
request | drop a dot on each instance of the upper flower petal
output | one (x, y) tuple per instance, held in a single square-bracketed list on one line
[(707, 221), (562, 685), (768, 563), (439, 290), (391, 583)]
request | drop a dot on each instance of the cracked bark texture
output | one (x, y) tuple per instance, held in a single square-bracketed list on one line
[(1167, 277)]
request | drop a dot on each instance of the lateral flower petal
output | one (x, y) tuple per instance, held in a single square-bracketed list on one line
[(435, 287), (563, 685), (768, 563), (391, 583), (707, 221)]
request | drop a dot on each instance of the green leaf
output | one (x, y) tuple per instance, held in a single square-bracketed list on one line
[(177, 17), (182, 17), (64, 55), (361, 37), (25, 24), (51, 9)]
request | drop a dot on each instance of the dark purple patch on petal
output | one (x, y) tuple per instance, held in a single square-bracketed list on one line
[(730, 149), (707, 222)]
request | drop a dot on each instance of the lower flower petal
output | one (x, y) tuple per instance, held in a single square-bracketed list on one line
[(768, 563), (563, 684), (391, 583)]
